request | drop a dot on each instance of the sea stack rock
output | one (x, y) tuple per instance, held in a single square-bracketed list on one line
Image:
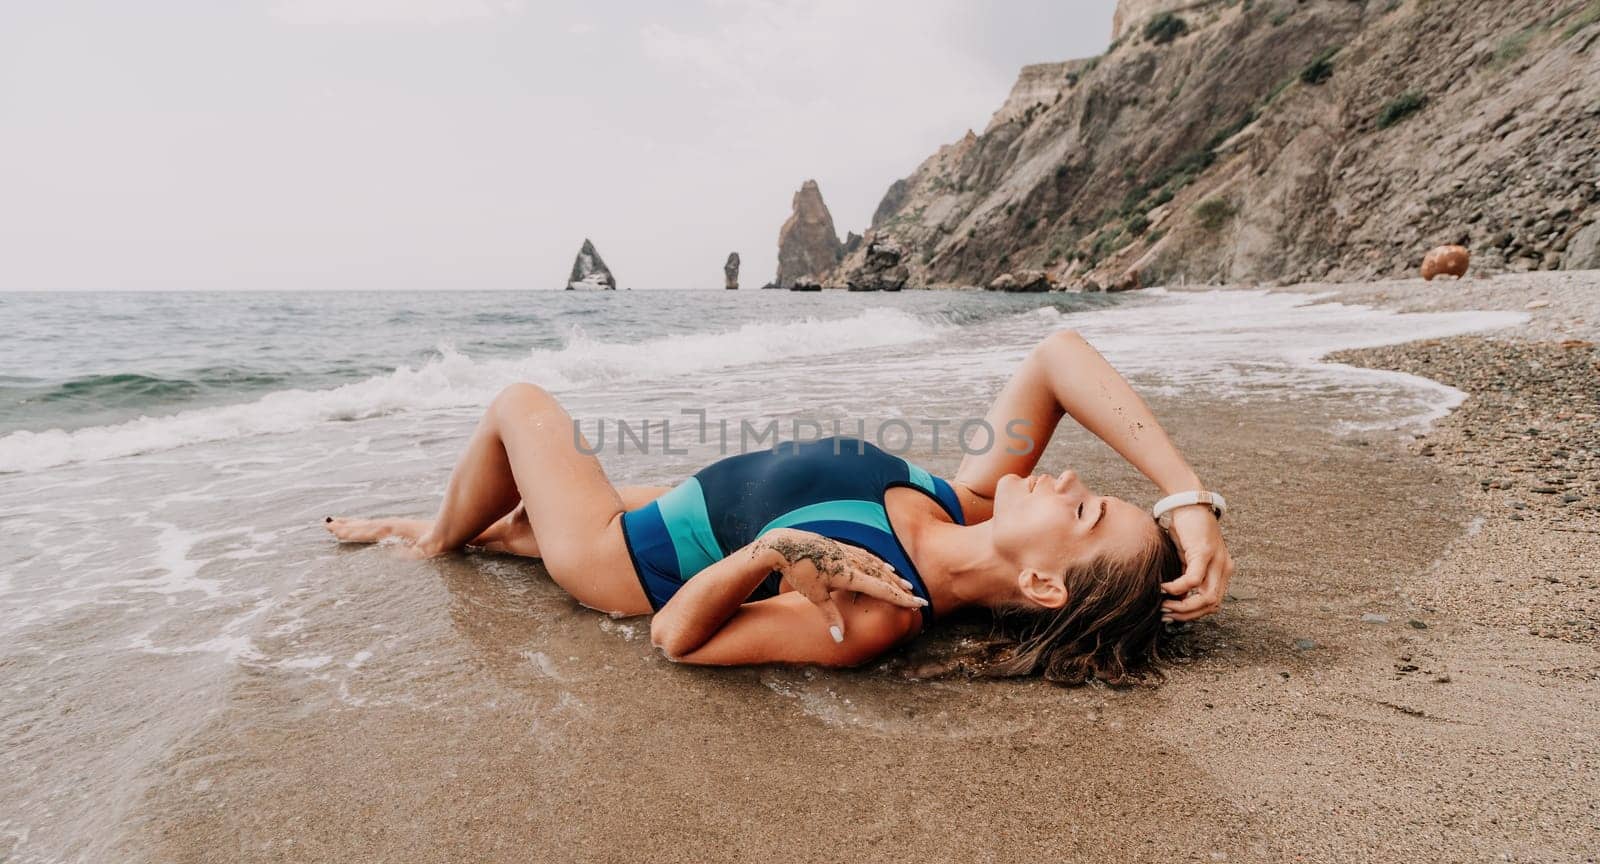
[(589, 272), (808, 246), (730, 272)]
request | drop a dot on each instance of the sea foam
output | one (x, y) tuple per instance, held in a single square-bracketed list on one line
[(454, 380)]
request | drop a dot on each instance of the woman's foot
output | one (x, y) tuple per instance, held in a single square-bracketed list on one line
[(376, 530), (512, 535)]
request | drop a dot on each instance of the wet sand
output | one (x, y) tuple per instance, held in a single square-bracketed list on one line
[(491, 719), (434, 756)]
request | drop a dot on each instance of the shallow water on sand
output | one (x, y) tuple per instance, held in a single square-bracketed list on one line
[(192, 670)]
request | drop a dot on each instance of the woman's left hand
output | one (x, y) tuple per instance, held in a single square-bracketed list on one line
[(1207, 565), (816, 566)]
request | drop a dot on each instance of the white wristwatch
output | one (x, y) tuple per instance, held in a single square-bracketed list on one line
[(1166, 505)]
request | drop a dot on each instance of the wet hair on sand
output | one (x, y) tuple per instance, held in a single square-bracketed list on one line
[(1110, 629)]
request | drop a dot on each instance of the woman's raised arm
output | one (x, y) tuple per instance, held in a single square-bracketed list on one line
[(1065, 375)]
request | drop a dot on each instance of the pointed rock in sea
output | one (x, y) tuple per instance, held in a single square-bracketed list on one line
[(589, 272), (808, 245)]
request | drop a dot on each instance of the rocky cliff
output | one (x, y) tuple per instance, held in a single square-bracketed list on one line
[(1131, 14), (1261, 140), (808, 245)]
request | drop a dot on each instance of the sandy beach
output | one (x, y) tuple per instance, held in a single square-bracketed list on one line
[(1405, 670)]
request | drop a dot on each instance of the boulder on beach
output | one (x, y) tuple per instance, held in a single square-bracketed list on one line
[(882, 268), (808, 245), (1128, 282), (730, 272), (589, 272), (1583, 251), (1021, 282), (805, 283), (1445, 261), (1031, 281)]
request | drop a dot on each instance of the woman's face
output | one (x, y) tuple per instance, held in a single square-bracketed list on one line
[(1053, 524)]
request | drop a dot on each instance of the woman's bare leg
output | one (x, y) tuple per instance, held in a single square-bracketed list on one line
[(513, 534), (523, 450)]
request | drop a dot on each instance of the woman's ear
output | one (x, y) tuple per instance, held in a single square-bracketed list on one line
[(1046, 589)]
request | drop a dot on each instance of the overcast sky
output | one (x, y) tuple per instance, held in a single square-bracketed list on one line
[(437, 144)]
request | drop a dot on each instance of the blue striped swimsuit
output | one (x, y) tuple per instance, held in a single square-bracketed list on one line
[(833, 487)]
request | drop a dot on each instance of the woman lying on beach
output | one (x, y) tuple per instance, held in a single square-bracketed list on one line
[(833, 552)]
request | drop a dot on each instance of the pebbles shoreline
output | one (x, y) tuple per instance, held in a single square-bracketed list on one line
[(1530, 427), (1525, 444)]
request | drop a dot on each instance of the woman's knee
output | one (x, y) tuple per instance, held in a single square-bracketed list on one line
[(520, 398)]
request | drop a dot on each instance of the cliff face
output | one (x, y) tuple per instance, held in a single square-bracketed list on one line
[(1130, 14), (1275, 140), (808, 245), (1038, 85)]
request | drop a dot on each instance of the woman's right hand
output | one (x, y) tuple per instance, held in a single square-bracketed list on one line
[(815, 566)]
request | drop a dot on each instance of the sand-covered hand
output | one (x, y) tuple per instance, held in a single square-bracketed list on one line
[(816, 566)]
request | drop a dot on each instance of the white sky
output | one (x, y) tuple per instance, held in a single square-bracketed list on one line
[(437, 144)]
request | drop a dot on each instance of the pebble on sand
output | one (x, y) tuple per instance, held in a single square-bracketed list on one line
[(1416, 625), (1374, 618)]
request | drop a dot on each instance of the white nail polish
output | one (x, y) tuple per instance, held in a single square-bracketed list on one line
[(838, 635)]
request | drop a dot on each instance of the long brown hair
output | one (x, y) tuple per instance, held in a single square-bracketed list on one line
[(1109, 630)]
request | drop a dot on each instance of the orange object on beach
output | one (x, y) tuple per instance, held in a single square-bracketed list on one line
[(1446, 261)]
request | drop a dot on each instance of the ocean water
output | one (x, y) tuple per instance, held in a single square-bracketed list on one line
[(88, 377), (165, 461)]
